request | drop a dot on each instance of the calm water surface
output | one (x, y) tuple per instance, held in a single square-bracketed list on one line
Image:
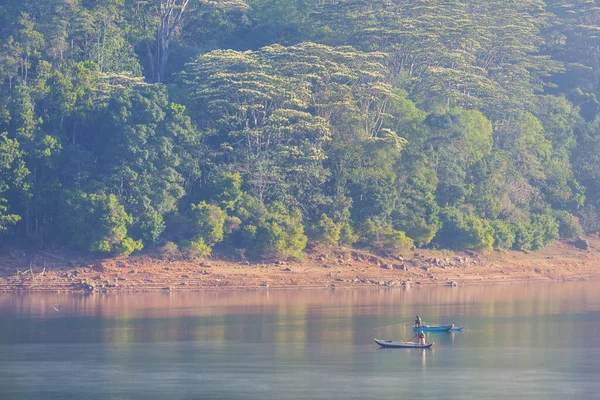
[(521, 341)]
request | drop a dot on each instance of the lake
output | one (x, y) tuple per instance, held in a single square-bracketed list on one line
[(538, 341)]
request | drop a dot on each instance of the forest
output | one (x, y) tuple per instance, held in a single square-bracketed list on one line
[(257, 128)]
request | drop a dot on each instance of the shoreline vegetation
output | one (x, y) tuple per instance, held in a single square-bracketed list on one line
[(284, 129), (324, 267)]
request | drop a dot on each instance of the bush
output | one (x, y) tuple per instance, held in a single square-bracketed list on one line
[(151, 226), (169, 249), (589, 218), (280, 233), (464, 230), (231, 225), (97, 222), (385, 238), (396, 242), (568, 225), (327, 231), (523, 236), (369, 232), (196, 248), (208, 221), (421, 232), (347, 235), (128, 246), (545, 230), (504, 234), (225, 188)]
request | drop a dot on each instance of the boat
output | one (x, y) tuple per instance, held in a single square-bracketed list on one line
[(428, 328), (402, 345), (457, 328)]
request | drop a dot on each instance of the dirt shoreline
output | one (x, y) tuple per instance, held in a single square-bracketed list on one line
[(323, 268)]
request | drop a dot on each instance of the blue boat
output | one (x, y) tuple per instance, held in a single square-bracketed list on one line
[(428, 328)]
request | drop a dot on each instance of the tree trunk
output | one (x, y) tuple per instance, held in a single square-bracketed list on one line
[(170, 13)]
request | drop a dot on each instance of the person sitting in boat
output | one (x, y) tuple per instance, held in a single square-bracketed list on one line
[(421, 338), (418, 322)]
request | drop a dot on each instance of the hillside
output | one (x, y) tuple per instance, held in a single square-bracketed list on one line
[(258, 129)]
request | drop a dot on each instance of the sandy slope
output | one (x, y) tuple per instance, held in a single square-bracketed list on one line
[(324, 267)]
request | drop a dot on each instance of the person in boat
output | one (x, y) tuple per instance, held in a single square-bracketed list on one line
[(421, 336), (418, 322)]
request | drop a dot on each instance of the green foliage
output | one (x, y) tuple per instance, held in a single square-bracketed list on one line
[(169, 249), (279, 233), (395, 242), (504, 234), (590, 219), (449, 123), (207, 223), (280, 241), (568, 225), (524, 236), (421, 232), (347, 235), (545, 230), (327, 231), (225, 188), (385, 238), (128, 246), (12, 173), (97, 222), (196, 248), (7, 220), (541, 231), (464, 230), (152, 226)]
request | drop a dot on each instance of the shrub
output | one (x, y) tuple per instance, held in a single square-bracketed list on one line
[(231, 225), (151, 226), (327, 231), (523, 236), (385, 238), (464, 230), (347, 235), (369, 232), (421, 232), (196, 248), (280, 233), (225, 188), (169, 249), (589, 218), (208, 222), (128, 246), (504, 235), (396, 242), (545, 230), (97, 222), (568, 225)]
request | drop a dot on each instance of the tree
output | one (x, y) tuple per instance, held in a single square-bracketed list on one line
[(163, 20), (327, 231), (279, 233), (463, 230), (12, 173), (274, 109), (97, 223)]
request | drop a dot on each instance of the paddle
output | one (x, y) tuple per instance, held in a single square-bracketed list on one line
[(411, 338)]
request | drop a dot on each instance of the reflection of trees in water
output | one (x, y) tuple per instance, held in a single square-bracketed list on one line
[(299, 317)]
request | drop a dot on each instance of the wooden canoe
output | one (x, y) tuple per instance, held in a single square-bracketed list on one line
[(402, 345)]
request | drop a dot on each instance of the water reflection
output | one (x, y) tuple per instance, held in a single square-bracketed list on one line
[(306, 344), (288, 317)]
